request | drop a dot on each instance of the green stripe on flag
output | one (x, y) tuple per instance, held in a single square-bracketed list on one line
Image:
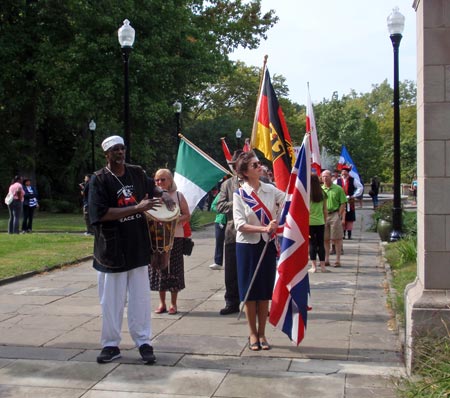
[(195, 173)]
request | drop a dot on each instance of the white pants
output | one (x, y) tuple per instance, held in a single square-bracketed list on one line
[(113, 289)]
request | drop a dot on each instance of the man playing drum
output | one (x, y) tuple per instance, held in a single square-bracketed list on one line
[(119, 195)]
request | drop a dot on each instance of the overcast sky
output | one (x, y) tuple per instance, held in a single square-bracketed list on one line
[(335, 45)]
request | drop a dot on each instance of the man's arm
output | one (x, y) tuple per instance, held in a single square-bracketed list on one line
[(224, 203), (116, 213), (359, 189)]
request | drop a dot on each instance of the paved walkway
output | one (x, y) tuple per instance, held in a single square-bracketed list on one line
[(50, 328)]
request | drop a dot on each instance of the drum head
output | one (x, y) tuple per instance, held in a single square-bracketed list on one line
[(163, 213)]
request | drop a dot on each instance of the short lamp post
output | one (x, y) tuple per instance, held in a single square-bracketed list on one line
[(92, 127), (238, 138), (177, 107), (396, 23), (126, 40)]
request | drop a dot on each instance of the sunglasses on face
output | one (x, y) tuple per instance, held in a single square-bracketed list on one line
[(160, 179), (255, 165)]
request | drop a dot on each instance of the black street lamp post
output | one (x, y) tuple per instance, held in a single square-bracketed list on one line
[(238, 138), (396, 23), (92, 127), (126, 40), (177, 107)]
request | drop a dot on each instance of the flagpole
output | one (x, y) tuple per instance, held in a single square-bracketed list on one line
[(263, 253), (258, 98), (218, 165)]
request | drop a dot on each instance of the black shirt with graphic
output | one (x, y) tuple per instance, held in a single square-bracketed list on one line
[(123, 244)]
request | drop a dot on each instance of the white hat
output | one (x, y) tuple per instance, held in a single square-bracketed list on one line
[(111, 141)]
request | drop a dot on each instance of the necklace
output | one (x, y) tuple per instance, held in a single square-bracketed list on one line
[(117, 178)]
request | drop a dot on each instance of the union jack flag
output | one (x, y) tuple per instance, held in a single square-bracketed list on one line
[(290, 296), (261, 211)]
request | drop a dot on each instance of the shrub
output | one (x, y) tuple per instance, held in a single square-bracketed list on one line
[(57, 206), (407, 249), (409, 221), (195, 220)]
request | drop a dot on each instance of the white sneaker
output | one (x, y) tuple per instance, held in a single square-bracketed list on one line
[(215, 266)]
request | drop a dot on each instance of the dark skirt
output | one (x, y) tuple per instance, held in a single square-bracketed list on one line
[(172, 278), (247, 259)]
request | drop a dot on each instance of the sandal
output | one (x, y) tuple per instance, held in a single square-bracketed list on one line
[(173, 311), (253, 346), (327, 264), (264, 345), (337, 265), (161, 310)]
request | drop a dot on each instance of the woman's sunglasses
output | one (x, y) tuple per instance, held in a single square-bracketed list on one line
[(255, 165), (160, 179)]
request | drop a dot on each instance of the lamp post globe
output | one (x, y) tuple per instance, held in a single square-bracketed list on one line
[(396, 23), (126, 36), (238, 137), (92, 127)]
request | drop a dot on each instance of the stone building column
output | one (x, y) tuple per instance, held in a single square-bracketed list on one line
[(428, 298)]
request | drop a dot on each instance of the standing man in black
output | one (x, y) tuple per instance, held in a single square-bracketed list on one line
[(119, 195), (225, 205)]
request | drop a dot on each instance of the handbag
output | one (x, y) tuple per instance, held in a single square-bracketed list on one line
[(371, 193), (9, 198), (188, 245)]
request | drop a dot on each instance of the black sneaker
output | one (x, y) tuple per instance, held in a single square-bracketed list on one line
[(229, 309), (108, 354), (147, 355)]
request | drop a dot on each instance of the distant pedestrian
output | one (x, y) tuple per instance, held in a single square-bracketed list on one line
[(334, 225), (15, 207), (374, 191), (220, 223), (225, 206), (317, 218), (30, 203), (413, 189), (352, 188), (85, 194)]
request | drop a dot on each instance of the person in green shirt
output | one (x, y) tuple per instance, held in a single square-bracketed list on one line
[(317, 217), (220, 224), (334, 225)]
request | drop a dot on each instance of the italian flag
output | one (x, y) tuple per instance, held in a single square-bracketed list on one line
[(196, 173)]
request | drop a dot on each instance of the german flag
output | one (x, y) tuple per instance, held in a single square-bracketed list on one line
[(271, 135)]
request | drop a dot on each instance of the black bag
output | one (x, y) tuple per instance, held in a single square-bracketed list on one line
[(188, 245), (371, 193)]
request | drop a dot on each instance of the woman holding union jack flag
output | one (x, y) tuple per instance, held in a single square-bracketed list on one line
[(256, 206)]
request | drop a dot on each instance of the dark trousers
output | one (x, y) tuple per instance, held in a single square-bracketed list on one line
[(316, 242), (15, 210), (27, 223), (220, 238), (231, 280)]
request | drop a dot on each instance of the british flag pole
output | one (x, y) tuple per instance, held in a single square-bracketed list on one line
[(289, 307)]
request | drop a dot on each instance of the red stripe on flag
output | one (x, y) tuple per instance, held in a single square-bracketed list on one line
[(226, 151)]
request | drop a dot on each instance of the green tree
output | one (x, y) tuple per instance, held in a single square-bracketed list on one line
[(64, 67)]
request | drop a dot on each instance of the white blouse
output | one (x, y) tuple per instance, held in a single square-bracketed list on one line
[(272, 198)]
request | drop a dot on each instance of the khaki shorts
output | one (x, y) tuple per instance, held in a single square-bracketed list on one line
[(333, 227)]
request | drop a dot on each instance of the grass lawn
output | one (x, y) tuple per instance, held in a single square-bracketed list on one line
[(49, 222), (41, 251), (57, 239)]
